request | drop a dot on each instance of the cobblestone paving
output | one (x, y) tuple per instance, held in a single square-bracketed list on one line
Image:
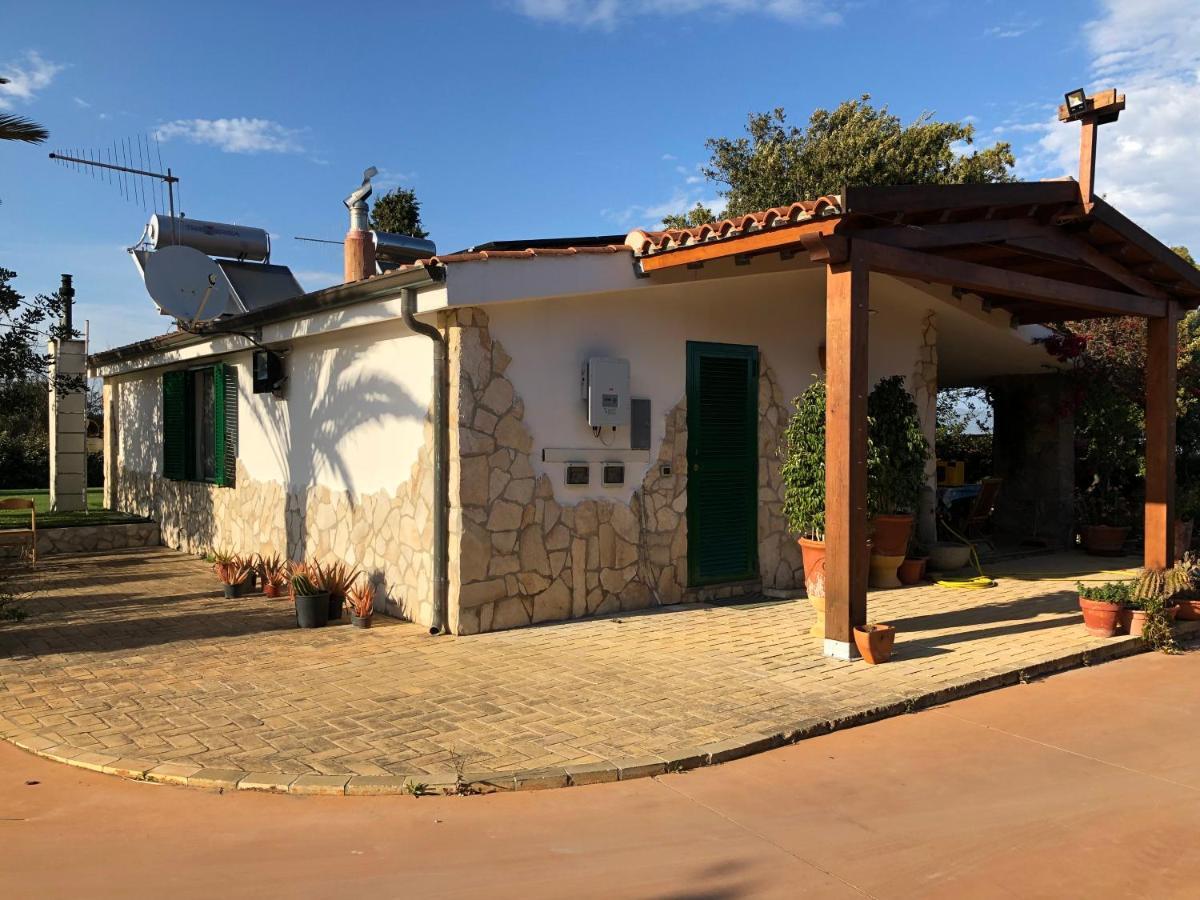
[(135, 655)]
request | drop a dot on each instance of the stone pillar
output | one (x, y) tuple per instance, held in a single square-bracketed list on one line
[(68, 428), (1033, 450), (111, 442)]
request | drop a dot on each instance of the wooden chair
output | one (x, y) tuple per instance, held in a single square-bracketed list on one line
[(980, 516), (22, 534)]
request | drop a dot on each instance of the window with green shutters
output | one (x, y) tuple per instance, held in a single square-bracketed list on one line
[(200, 424)]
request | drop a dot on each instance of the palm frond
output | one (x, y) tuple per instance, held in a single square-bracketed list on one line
[(18, 128)]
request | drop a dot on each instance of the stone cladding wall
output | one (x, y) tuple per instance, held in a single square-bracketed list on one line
[(388, 536), (519, 557)]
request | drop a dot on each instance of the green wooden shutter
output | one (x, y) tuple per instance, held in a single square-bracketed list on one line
[(174, 429), (225, 423), (722, 401)]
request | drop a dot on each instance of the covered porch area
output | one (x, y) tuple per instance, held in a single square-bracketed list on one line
[(1035, 253)]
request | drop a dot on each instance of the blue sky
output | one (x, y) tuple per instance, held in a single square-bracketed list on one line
[(528, 118)]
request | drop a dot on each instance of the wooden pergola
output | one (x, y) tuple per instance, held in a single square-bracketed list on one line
[(1045, 252)]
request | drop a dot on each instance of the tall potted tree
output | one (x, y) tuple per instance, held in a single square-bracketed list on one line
[(896, 461), (803, 472)]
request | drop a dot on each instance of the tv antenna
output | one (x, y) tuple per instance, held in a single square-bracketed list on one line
[(126, 164)]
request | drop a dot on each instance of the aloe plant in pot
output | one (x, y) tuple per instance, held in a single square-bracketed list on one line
[(896, 458)]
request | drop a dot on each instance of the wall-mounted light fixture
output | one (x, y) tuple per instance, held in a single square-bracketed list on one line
[(1076, 101)]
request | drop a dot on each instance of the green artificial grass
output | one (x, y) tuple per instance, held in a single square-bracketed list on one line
[(96, 513)]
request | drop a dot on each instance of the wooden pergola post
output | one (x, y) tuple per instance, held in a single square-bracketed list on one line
[(846, 341), (1161, 353)]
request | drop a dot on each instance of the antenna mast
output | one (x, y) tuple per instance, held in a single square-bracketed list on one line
[(167, 178)]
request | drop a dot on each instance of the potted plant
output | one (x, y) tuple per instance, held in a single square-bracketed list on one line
[(312, 602), (1106, 515), (1187, 600), (273, 572), (337, 578), (896, 459), (874, 642), (362, 604), (233, 571), (803, 473), (912, 570), (1150, 610), (1102, 604)]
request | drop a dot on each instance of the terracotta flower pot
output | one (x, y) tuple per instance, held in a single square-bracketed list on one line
[(912, 570), (1105, 540), (1133, 621), (1188, 610), (1100, 619), (891, 534), (813, 554), (884, 569), (874, 642)]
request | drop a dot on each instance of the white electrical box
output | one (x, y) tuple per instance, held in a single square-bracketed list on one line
[(606, 390)]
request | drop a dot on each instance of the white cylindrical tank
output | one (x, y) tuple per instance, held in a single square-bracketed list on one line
[(213, 238)]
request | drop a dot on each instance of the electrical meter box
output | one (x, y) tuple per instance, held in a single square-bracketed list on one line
[(606, 390)]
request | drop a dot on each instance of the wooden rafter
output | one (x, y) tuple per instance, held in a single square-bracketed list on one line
[(989, 279)]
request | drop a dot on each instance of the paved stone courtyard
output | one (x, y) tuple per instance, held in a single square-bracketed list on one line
[(132, 662)]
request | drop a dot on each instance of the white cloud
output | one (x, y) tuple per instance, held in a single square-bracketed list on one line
[(1147, 164), (237, 135), (313, 279), (669, 157), (81, 103), (650, 216), (608, 14), (1012, 29), (391, 178), (26, 79)]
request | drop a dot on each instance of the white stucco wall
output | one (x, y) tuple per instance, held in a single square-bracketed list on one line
[(352, 420), (783, 314)]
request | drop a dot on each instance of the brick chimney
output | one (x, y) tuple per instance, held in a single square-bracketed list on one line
[(359, 247)]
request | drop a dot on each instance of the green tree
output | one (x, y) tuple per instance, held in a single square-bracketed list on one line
[(399, 212), (856, 144), (1111, 401)]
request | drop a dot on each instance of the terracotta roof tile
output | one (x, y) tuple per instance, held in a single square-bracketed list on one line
[(644, 243)]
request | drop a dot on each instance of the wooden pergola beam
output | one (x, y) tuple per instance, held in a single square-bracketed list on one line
[(846, 340), (1161, 375), (988, 279)]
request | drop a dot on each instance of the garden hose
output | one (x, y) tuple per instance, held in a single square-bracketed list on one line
[(968, 584)]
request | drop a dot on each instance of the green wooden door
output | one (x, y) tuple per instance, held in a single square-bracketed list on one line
[(722, 488)]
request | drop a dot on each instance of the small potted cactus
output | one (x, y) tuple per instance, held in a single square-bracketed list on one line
[(312, 602)]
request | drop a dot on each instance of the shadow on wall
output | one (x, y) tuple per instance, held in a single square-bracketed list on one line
[(309, 430), (316, 431)]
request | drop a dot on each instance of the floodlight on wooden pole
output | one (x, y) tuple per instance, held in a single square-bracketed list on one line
[(1090, 112)]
